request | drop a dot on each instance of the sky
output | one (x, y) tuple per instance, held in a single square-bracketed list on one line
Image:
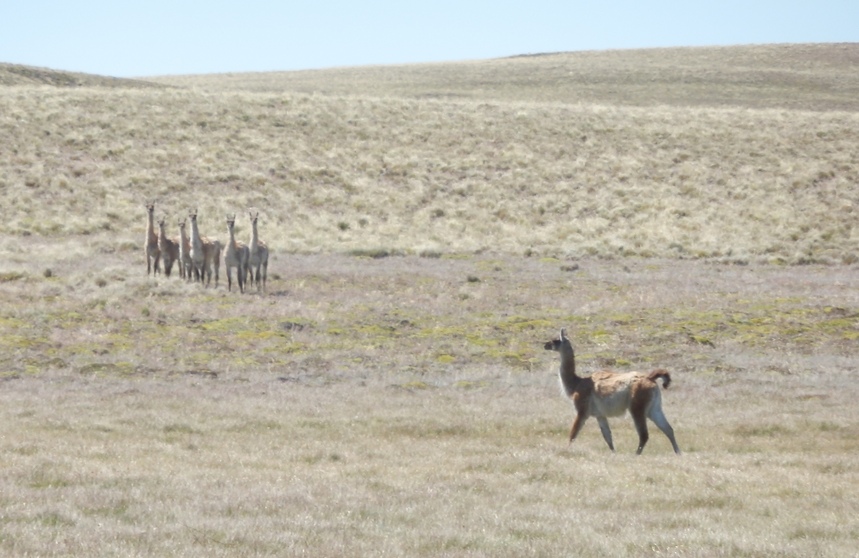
[(140, 38)]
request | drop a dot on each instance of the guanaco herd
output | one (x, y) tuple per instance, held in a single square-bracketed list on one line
[(199, 256), (601, 395)]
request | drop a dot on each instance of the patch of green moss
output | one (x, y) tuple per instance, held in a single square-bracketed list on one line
[(227, 325), (7, 276), (489, 265), (520, 323), (250, 335), (416, 384), (107, 369), (470, 384)]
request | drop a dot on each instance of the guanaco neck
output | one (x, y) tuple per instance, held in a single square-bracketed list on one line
[(569, 379), (183, 235), (232, 235), (254, 234), (195, 235), (150, 225)]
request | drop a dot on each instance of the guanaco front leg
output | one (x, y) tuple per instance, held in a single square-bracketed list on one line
[(581, 405), (641, 427), (606, 431)]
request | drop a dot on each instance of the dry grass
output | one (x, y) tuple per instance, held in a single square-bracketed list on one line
[(338, 174), (403, 405), (795, 77)]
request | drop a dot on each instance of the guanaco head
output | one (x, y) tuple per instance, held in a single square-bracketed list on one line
[(254, 215), (192, 215), (231, 220), (181, 224), (559, 342), (150, 208)]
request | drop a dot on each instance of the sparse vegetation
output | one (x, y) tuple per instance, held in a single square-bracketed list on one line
[(389, 394)]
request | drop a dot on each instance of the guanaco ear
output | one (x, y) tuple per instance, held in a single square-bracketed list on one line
[(563, 336)]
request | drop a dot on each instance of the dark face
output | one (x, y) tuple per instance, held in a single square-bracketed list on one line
[(553, 345)]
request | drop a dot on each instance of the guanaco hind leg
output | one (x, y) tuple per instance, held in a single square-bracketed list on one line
[(658, 418)]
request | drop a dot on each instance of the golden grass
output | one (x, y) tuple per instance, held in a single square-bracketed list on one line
[(343, 174), (389, 395)]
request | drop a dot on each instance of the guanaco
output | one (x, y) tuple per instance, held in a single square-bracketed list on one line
[(258, 255), (186, 268), (205, 253), (169, 248), (150, 246), (610, 394), (235, 255)]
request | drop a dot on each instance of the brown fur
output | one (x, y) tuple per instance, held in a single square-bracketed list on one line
[(186, 268), (169, 248), (235, 255), (257, 255), (150, 246), (205, 253), (608, 394)]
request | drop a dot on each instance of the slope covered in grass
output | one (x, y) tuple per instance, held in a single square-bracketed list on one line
[(384, 171), (795, 77)]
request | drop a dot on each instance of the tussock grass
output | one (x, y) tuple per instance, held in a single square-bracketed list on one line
[(389, 172)]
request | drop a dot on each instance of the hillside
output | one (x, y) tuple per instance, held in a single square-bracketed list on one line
[(492, 156), (796, 77), (18, 75)]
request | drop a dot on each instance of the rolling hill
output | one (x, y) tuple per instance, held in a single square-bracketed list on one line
[(736, 153)]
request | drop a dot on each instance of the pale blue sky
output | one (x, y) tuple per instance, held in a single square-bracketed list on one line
[(125, 38)]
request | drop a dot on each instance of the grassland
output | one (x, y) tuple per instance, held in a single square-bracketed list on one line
[(389, 395), (407, 174)]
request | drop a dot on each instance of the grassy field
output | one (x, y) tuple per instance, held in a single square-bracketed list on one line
[(404, 406), (389, 394)]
